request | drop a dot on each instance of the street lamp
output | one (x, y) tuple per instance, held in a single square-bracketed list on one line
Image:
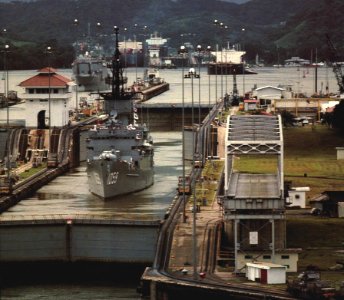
[(125, 49), (209, 56), (182, 51), (199, 49), (191, 74), (243, 61), (48, 52), (76, 24), (6, 87), (217, 24)]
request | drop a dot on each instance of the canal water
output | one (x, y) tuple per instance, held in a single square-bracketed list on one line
[(69, 195), (198, 91)]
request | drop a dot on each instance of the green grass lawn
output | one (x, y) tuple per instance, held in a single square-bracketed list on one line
[(31, 172), (309, 159)]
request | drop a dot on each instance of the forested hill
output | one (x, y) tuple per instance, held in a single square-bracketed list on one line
[(291, 27)]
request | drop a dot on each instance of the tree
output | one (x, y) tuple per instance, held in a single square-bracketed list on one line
[(338, 115), (287, 118)]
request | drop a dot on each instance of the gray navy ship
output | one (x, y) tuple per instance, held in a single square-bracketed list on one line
[(90, 73), (120, 151)]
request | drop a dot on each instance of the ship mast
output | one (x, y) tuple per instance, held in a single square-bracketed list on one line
[(116, 70), (117, 81)]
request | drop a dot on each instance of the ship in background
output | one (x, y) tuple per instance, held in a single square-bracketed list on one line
[(90, 73), (132, 53), (228, 61), (89, 69), (157, 49), (119, 152)]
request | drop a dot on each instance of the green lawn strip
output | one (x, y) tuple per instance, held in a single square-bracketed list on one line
[(30, 172)]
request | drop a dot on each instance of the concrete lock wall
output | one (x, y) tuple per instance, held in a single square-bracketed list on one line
[(113, 243), (32, 243)]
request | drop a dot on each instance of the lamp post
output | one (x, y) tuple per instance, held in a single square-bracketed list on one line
[(76, 24), (6, 87), (145, 47), (243, 61), (125, 50), (191, 74), (182, 51), (48, 52), (199, 49), (222, 26), (209, 56), (194, 248), (135, 26)]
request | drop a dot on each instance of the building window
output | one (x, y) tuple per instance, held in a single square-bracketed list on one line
[(297, 196), (248, 256), (266, 256), (288, 267), (285, 256)]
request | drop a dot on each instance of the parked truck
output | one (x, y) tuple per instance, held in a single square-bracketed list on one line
[(308, 285)]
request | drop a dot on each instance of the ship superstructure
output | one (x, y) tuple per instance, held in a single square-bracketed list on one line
[(90, 73), (120, 151)]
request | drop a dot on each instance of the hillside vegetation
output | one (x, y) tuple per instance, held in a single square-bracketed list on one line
[(273, 28)]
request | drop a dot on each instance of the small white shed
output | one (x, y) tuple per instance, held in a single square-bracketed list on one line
[(266, 273), (297, 197), (340, 152), (340, 209)]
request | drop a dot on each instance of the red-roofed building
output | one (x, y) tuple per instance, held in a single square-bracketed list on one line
[(44, 93)]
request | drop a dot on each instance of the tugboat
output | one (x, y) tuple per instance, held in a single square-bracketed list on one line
[(119, 152)]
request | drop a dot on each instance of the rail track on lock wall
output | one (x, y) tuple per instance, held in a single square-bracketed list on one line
[(26, 187)]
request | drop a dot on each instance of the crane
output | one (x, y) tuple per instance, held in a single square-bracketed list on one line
[(336, 67)]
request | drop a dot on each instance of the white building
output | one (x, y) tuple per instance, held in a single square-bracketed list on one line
[(47, 99), (266, 273), (297, 197), (285, 257), (268, 92)]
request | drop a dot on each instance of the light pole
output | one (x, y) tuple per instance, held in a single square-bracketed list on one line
[(216, 23), (209, 55), (191, 75), (76, 24), (182, 51), (135, 26), (49, 51), (6, 87), (199, 49), (243, 61), (125, 50)]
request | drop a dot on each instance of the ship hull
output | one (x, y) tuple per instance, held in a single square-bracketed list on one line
[(228, 69), (90, 73), (108, 179), (92, 83)]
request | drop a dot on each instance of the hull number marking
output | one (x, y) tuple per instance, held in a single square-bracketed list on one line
[(112, 178)]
